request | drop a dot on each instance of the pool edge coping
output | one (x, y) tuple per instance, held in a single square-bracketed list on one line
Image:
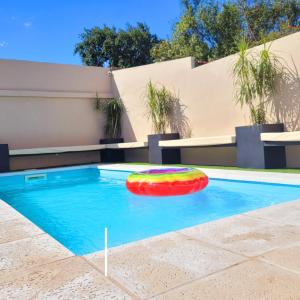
[(271, 177)]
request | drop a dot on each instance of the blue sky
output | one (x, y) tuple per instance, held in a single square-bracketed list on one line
[(47, 30)]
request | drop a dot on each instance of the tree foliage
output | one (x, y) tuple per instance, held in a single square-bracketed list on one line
[(187, 38), (222, 28), (116, 48), (208, 30)]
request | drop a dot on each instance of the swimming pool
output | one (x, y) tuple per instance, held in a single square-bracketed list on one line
[(74, 205)]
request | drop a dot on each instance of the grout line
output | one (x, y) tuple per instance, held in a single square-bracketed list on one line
[(241, 254), (198, 279), (22, 238), (111, 279), (32, 269), (52, 278), (36, 266), (223, 270), (277, 265), (12, 219), (271, 221), (25, 238), (211, 245)]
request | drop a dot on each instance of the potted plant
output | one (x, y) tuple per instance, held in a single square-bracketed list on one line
[(113, 110), (255, 77), (160, 103)]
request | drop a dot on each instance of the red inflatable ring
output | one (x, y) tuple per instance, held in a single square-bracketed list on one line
[(166, 182)]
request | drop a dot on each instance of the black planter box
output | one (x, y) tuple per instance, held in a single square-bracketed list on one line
[(4, 158), (253, 153), (112, 155), (158, 155)]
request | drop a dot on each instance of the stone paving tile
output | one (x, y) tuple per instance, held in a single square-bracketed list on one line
[(287, 257), (245, 235), (30, 252), (17, 229), (155, 265), (252, 280), (26, 283), (284, 213), (71, 278), (78, 280), (8, 213)]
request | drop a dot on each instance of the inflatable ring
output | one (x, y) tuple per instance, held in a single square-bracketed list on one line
[(166, 182)]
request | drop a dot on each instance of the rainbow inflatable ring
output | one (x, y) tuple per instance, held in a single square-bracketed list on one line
[(166, 182)]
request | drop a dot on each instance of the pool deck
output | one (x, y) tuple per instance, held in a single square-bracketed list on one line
[(255, 255)]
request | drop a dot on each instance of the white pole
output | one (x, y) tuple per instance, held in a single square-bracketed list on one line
[(105, 251)]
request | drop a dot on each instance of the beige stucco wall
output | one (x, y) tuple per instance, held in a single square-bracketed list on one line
[(44, 105), (16, 75), (41, 122), (206, 100)]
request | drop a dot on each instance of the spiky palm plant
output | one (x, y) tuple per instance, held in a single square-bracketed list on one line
[(160, 104), (113, 110), (255, 78)]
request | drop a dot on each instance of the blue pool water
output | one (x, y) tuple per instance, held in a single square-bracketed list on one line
[(75, 205)]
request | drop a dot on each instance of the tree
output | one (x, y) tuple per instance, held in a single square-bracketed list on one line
[(208, 30), (269, 20), (258, 18), (223, 28), (203, 31), (187, 38), (116, 48)]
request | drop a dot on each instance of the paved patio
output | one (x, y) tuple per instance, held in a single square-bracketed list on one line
[(255, 255)]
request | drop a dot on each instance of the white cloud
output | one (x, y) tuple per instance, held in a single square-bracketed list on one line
[(3, 44), (27, 24)]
